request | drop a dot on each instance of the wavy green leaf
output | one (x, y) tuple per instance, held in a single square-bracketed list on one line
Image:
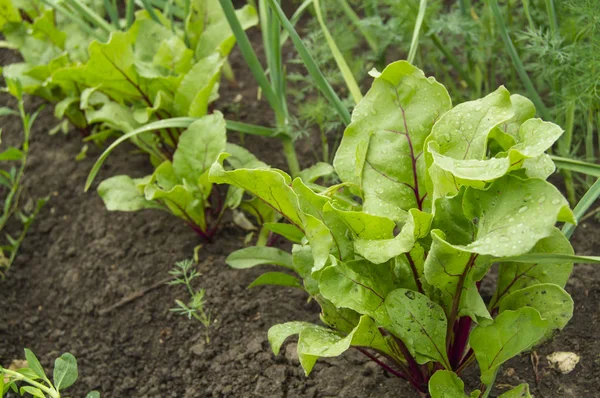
[(277, 279), (514, 276), (381, 150), (446, 384), (255, 255), (511, 333), (420, 323), (553, 303)]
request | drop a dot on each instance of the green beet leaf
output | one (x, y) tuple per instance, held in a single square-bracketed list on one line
[(358, 285), (364, 225), (420, 323), (511, 333), (340, 319), (9, 13), (327, 232), (258, 255), (208, 29), (194, 92), (273, 187), (521, 391), (446, 384), (461, 148), (513, 215), (552, 302), (276, 278), (516, 276), (454, 271), (417, 226), (288, 231), (123, 193), (381, 150), (315, 172), (199, 147), (317, 341)]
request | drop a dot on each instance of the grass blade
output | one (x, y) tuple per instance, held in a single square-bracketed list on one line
[(252, 129), (112, 13), (339, 58), (584, 204), (551, 11), (589, 138), (551, 258), (310, 63), (271, 42), (90, 15), (148, 6), (76, 19), (414, 44), (176, 122), (129, 13), (173, 8), (294, 19), (517, 63), (578, 166), (251, 58)]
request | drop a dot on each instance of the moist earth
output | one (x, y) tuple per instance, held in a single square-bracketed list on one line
[(79, 260)]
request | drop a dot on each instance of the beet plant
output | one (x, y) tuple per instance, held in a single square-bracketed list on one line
[(111, 79), (181, 186), (431, 196), (47, 43)]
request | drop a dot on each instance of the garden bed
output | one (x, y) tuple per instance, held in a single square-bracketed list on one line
[(79, 260)]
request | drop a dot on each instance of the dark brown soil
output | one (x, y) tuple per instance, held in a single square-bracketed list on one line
[(79, 259)]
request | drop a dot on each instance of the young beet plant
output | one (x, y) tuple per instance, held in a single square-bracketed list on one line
[(445, 192), (181, 186)]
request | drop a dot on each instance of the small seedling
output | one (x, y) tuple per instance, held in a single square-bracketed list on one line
[(11, 182), (184, 272), (32, 379)]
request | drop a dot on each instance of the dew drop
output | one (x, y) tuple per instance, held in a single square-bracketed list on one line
[(556, 201), (523, 209), (410, 294), (528, 197), (541, 199)]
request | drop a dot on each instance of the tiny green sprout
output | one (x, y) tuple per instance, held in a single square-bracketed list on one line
[(32, 379), (13, 161), (183, 274)]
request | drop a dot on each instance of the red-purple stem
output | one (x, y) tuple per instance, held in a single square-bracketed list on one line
[(462, 328), (379, 362)]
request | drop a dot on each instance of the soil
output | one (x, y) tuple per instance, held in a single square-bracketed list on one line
[(79, 259)]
